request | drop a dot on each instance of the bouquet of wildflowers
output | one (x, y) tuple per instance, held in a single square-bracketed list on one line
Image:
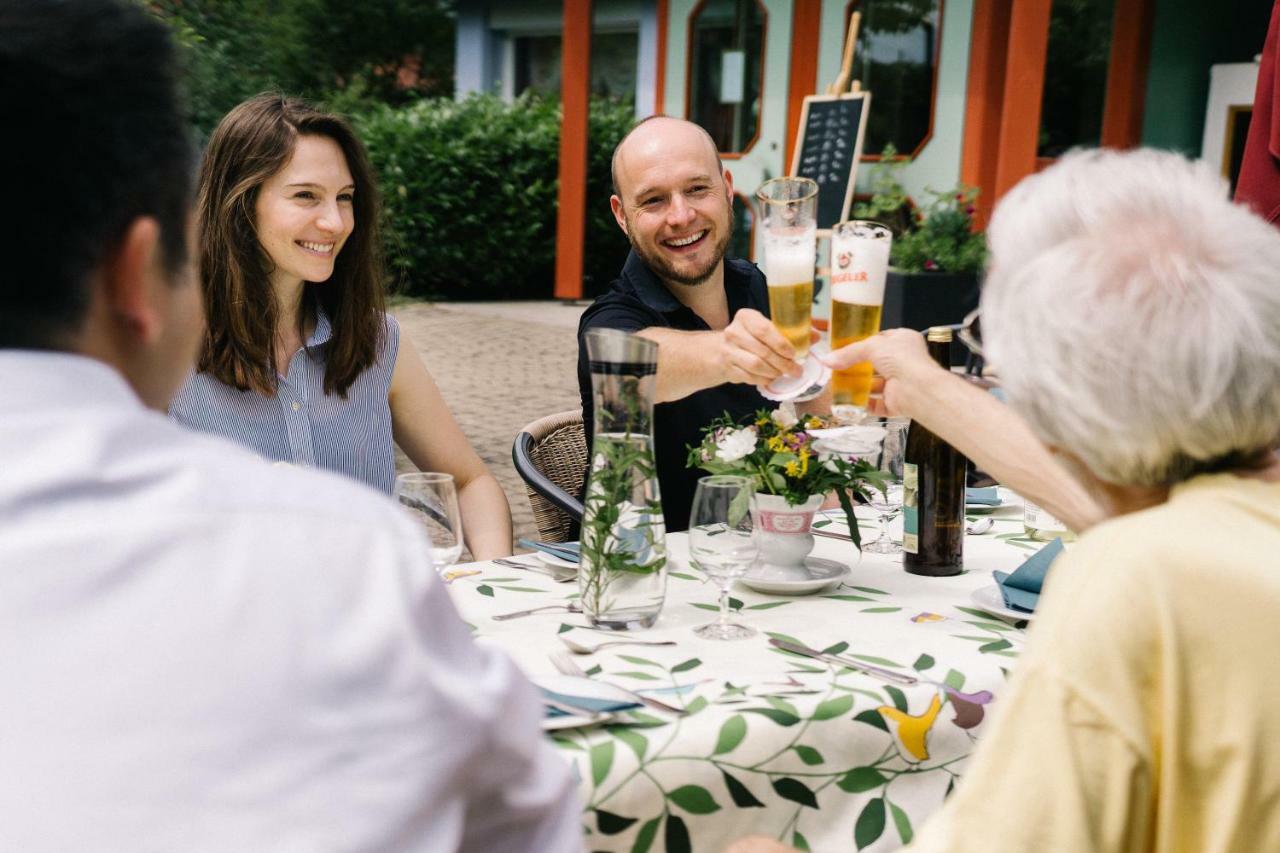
[(777, 451)]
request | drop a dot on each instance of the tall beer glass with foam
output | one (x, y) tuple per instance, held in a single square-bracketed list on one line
[(859, 264), (790, 208)]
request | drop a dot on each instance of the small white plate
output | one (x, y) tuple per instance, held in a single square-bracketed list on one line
[(822, 574), (988, 598), (815, 375), (553, 560), (870, 433)]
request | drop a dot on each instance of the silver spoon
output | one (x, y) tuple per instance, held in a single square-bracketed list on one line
[(571, 608), (583, 649), (980, 526)]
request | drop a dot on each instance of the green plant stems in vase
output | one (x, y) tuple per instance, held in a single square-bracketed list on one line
[(622, 575)]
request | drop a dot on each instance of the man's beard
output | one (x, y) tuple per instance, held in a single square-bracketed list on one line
[(662, 268)]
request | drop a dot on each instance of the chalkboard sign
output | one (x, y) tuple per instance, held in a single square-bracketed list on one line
[(828, 148)]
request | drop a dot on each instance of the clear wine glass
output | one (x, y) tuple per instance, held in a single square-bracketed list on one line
[(888, 503), (433, 500), (720, 543)]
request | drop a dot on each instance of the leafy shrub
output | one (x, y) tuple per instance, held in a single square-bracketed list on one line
[(470, 188), (936, 236)]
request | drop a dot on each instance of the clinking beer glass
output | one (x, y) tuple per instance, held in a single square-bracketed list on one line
[(790, 255), (859, 263)]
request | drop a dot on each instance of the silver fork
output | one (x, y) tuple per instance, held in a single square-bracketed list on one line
[(566, 665), (558, 577)]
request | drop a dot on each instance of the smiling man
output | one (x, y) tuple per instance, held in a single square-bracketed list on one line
[(707, 313)]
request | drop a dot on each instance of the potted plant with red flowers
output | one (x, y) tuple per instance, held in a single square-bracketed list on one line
[(937, 257)]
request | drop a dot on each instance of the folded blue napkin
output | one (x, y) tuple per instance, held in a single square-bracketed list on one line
[(1021, 590), (564, 550), (588, 704), (986, 497)]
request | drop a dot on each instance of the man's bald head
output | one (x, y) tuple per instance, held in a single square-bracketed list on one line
[(658, 127), (673, 199)]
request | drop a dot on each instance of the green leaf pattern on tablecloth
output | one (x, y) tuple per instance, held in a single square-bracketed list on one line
[(818, 755), (801, 782)]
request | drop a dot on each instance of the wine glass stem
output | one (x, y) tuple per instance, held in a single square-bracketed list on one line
[(724, 605), (884, 527)]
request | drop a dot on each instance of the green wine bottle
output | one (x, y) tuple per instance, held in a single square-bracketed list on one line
[(933, 490)]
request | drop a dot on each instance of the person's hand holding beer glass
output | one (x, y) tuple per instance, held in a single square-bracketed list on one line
[(859, 264), (790, 250)]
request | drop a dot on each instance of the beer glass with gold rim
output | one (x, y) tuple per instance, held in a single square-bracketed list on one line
[(859, 265), (790, 207)]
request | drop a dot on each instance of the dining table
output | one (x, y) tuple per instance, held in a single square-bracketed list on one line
[(820, 753)]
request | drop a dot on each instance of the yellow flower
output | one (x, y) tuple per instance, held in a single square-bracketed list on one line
[(761, 421), (812, 423), (912, 730), (776, 444), (804, 462), (793, 469)]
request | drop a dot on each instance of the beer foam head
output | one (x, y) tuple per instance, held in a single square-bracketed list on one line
[(858, 269), (790, 258)]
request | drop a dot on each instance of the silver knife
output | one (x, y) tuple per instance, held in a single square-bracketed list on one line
[(869, 669)]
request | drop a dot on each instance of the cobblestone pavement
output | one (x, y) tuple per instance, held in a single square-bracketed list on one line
[(499, 366)]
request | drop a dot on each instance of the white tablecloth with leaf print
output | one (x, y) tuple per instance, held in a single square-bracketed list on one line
[(822, 757)]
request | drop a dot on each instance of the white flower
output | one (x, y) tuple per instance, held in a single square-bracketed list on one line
[(785, 416), (733, 444)]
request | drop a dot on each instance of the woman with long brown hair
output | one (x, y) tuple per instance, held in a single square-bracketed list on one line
[(300, 361)]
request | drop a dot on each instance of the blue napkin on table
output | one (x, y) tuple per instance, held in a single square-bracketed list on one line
[(564, 550), (986, 497), (587, 704), (1021, 590)]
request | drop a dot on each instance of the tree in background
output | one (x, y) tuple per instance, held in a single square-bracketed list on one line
[(469, 187), (389, 51)]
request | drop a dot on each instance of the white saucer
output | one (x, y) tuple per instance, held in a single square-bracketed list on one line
[(816, 374), (858, 441), (988, 598), (822, 574), (553, 560)]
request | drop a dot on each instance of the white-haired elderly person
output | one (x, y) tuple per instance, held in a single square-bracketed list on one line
[(1134, 315)]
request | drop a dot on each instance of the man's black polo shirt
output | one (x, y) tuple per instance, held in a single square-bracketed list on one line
[(639, 300)]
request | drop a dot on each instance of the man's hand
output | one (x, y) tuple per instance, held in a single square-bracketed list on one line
[(752, 350), (902, 364)]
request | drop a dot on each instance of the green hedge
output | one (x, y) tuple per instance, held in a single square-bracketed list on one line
[(470, 194)]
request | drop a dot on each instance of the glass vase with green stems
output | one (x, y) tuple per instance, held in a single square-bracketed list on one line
[(622, 577)]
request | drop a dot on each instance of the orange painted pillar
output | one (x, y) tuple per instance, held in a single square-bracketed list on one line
[(1023, 92), (575, 94), (987, 52), (806, 27), (1127, 73)]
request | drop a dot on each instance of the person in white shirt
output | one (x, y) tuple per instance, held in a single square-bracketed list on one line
[(199, 651)]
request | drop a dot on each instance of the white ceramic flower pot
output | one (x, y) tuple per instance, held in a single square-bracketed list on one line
[(782, 534)]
